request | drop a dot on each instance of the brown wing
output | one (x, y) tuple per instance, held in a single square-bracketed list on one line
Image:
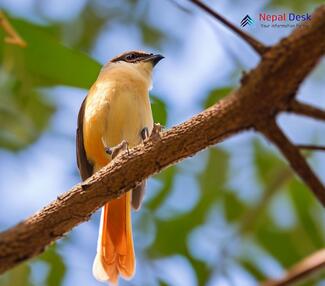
[(137, 195), (85, 167)]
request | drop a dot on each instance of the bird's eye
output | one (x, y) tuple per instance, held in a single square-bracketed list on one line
[(130, 57)]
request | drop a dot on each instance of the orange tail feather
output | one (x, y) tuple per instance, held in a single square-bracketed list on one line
[(115, 253)]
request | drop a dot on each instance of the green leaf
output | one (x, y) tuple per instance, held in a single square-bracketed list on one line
[(159, 110), (287, 246), (234, 208), (167, 179), (267, 163), (281, 244), (290, 245), (252, 268), (56, 264), (301, 6), (151, 35), (216, 95), (19, 276), (203, 272), (273, 175), (46, 61), (24, 115), (24, 112), (306, 207)]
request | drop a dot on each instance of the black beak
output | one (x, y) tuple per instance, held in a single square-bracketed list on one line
[(155, 59)]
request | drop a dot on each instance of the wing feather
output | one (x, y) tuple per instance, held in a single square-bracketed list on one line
[(137, 195), (85, 167)]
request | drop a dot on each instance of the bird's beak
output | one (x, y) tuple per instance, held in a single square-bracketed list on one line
[(154, 59)]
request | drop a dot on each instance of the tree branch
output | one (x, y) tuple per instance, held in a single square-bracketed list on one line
[(296, 160), (255, 44), (304, 269), (306, 110), (311, 147), (264, 93), (12, 36)]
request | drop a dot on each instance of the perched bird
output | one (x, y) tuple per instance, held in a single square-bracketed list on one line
[(116, 114)]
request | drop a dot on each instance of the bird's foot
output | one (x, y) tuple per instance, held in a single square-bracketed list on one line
[(144, 133), (155, 133), (116, 150)]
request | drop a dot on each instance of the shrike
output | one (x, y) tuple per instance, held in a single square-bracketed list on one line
[(115, 114)]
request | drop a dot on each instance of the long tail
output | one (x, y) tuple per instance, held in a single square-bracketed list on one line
[(115, 253)]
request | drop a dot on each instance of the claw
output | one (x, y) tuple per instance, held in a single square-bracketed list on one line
[(144, 133), (116, 150), (108, 150), (155, 133)]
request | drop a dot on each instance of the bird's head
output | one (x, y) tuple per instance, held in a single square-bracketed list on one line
[(135, 65), (138, 61), (138, 58)]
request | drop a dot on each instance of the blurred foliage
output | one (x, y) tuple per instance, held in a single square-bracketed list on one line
[(151, 35), (45, 61), (56, 265), (19, 276), (302, 6), (215, 95), (24, 112), (57, 54), (159, 110), (52, 274), (24, 115)]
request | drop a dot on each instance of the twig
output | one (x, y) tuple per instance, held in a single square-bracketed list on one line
[(179, 6), (12, 36), (308, 266), (306, 110), (255, 44), (296, 160), (311, 147)]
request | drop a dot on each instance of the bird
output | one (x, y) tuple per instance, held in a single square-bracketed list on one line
[(114, 116)]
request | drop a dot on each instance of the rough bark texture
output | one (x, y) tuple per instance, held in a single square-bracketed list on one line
[(264, 92)]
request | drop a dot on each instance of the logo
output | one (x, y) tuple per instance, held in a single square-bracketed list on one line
[(247, 20), (276, 20)]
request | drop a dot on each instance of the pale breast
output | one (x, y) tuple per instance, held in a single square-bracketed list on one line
[(115, 111), (130, 112)]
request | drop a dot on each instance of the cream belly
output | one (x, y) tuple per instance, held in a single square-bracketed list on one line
[(113, 113), (129, 113)]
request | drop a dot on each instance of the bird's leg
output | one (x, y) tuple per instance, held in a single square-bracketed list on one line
[(114, 151), (144, 133), (155, 133)]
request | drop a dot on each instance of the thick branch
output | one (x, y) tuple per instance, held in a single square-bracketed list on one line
[(306, 110), (265, 91), (296, 160), (304, 269), (255, 44)]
